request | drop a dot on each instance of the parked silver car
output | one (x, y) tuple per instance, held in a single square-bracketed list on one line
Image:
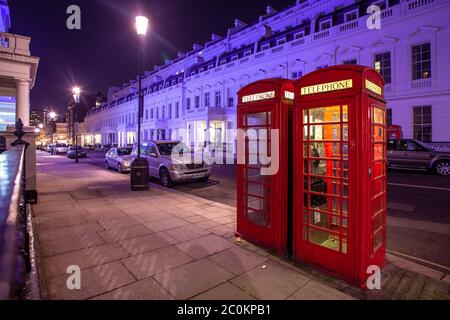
[(59, 148), (171, 170), (119, 159), (412, 154)]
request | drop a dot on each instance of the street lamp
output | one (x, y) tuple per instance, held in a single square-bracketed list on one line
[(139, 167), (52, 115), (76, 91)]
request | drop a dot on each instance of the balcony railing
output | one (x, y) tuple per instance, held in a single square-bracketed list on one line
[(16, 44)]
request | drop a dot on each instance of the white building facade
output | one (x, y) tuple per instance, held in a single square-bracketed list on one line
[(193, 97)]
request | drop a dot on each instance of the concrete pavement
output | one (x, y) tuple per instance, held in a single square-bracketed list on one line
[(165, 244)]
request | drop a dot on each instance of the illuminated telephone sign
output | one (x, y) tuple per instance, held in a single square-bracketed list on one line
[(327, 87), (339, 220), (264, 167)]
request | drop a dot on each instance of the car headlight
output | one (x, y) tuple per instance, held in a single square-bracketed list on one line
[(126, 163), (178, 167)]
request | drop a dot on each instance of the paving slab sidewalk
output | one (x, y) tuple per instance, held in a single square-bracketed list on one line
[(165, 244)]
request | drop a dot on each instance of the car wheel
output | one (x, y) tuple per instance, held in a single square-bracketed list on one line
[(119, 168), (164, 177), (442, 168), (107, 165)]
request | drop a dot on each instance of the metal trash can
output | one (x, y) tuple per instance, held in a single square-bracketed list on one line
[(139, 174)]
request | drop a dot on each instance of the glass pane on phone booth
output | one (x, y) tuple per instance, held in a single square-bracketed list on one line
[(325, 176), (257, 153), (378, 176)]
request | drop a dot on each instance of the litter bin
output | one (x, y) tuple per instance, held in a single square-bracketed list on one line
[(139, 174)]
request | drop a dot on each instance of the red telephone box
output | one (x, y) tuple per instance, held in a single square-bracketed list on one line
[(340, 171), (394, 132), (265, 123)]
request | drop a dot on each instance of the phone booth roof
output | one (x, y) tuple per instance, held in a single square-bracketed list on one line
[(340, 81), (266, 90)]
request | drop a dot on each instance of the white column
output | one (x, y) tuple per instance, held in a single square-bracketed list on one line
[(23, 101)]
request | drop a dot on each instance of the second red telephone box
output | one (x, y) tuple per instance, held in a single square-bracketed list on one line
[(340, 171), (264, 162)]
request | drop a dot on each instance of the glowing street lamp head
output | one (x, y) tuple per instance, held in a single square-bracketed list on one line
[(141, 25), (52, 115), (41, 126), (76, 94), (76, 90)]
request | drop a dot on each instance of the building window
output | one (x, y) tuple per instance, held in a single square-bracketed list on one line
[(211, 66), (281, 41), (422, 123), (421, 61), (234, 58), (201, 70), (389, 116), (207, 99), (350, 62), (265, 46), (197, 102), (383, 65), (299, 35), (157, 113), (380, 4), (223, 62), (151, 113), (324, 25), (163, 116), (177, 110), (188, 104), (170, 111), (352, 15), (146, 114), (247, 53), (297, 74), (322, 67), (218, 98), (230, 98)]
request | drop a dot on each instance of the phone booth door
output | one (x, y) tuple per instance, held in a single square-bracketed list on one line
[(264, 120), (257, 188), (327, 213)]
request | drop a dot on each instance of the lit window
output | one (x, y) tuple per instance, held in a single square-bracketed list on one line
[(421, 61), (383, 65)]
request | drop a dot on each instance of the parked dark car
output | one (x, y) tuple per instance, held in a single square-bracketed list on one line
[(81, 152), (413, 154), (119, 159)]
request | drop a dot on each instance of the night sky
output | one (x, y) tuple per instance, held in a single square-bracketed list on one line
[(103, 52)]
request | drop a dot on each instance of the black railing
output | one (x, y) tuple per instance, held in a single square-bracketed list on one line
[(13, 230)]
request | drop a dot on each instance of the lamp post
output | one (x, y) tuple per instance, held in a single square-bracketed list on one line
[(139, 167), (52, 115), (76, 91)]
